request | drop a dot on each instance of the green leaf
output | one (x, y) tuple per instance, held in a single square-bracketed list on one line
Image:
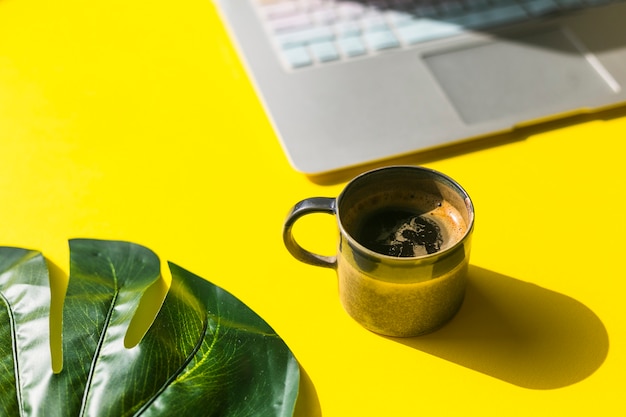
[(24, 329), (206, 353), (240, 368)]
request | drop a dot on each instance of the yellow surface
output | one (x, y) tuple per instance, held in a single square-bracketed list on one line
[(135, 121)]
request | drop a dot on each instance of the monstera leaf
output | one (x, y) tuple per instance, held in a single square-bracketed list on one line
[(205, 354)]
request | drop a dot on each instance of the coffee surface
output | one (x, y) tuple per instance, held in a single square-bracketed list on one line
[(400, 233), (417, 225)]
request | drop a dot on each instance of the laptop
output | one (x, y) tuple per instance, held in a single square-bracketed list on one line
[(347, 82)]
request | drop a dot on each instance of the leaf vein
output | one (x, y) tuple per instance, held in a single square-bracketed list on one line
[(96, 355), (16, 366)]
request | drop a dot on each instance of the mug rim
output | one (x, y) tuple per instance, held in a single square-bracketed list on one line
[(436, 175)]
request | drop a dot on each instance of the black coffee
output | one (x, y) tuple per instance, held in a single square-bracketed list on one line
[(401, 233)]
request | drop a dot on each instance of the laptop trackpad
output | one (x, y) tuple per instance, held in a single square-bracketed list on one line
[(519, 76)]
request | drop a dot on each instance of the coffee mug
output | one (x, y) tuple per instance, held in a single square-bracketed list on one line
[(403, 251)]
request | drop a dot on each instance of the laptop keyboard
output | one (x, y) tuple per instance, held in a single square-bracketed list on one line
[(315, 32)]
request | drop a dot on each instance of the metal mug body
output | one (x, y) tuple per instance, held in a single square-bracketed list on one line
[(391, 295)]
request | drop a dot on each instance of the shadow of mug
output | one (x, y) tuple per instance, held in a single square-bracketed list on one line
[(520, 333)]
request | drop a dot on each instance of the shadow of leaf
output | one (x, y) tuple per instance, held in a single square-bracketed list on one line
[(307, 404), (58, 285), (520, 333)]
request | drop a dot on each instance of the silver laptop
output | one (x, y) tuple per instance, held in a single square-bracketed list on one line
[(347, 82)]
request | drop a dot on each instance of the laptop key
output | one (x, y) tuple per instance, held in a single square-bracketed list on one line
[(279, 9), (490, 17), (450, 7), (324, 51), (422, 30), (289, 22), (571, 4), (426, 10), (374, 22), (381, 39), (539, 7), (398, 18), (350, 9), (347, 28), (305, 36), (476, 4), (297, 57), (351, 46), (324, 16)]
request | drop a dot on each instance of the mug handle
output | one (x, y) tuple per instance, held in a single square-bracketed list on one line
[(304, 207)]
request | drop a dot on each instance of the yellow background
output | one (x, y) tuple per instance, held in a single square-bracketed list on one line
[(135, 121)]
